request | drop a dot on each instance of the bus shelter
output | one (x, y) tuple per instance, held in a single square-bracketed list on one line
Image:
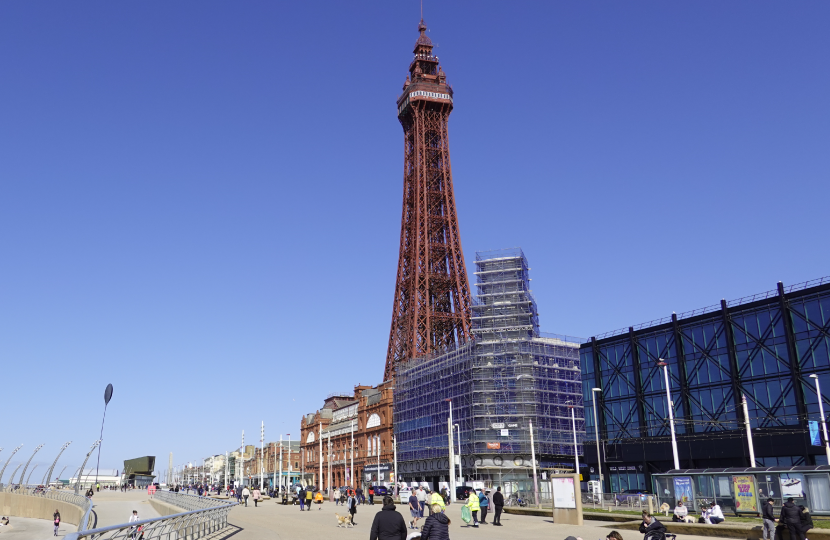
[(742, 490)]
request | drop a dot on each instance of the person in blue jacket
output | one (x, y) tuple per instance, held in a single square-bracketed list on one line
[(484, 503)]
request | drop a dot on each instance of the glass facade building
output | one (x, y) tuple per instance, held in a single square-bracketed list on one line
[(506, 378), (764, 347)]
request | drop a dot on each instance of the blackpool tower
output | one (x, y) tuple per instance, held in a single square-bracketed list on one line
[(431, 311)]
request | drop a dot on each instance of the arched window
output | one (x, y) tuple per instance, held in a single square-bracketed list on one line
[(310, 438), (374, 421)]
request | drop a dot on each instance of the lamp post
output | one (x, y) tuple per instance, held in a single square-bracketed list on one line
[(289, 459), (107, 398), (351, 466), (665, 365), (823, 421), (533, 462), (573, 424), (451, 454), (748, 432), (320, 437), (599, 456), (460, 473), (328, 459), (3, 470), (262, 456), (395, 462)]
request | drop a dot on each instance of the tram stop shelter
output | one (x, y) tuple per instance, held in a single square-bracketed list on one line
[(742, 490)]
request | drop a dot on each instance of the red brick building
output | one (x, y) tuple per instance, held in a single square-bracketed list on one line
[(355, 429)]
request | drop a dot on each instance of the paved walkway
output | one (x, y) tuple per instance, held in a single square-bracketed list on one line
[(32, 529), (274, 521), (115, 507)]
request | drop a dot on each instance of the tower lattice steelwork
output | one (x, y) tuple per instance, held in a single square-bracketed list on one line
[(432, 297)]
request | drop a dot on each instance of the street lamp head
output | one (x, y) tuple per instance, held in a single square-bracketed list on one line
[(662, 363), (596, 389), (814, 376)]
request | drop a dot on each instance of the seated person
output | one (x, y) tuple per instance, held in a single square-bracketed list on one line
[(650, 526), (806, 520), (715, 514), (704, 515), (680, 512)]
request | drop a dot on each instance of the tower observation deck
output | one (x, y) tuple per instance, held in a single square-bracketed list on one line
[(432, 308)]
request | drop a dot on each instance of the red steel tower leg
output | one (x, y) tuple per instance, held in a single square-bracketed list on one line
[(431, 311)]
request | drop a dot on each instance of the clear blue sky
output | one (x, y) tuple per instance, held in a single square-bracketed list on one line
[(201, 200)]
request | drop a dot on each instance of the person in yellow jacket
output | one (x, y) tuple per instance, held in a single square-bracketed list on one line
[(319, 500), (472, 504), (436, 498)]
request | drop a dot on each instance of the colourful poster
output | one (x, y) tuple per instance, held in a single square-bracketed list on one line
[(792, 485), (683, 489), (746, 499)]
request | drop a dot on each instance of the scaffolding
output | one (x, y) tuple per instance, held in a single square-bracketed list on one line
[(508, 376)]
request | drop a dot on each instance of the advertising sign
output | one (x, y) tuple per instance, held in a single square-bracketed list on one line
[(792, 485), (683, 489), (746, 499), (815, 438), (505, 433), (493, 446), (498, 425), (563, 493)]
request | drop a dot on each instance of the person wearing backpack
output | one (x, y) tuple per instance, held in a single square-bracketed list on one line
[(57, 518)]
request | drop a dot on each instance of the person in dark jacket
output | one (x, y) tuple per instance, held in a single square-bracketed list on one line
[(498, 504), (437, 525), (650, 526), (768, 514), (389, 523), (791, 518), (806, 521)]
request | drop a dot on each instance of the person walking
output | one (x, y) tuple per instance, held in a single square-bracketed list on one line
[(257, 496), (336, 497), (473, 505), (351, 506), (414, 511), (421, 495), (133, 530), (371, 495), (437, 525), (301, 496), (791, 518), (57, 518), (360, 498), (245, 494), (769, 520), (434, 499), (309, 496), (498, 505), (318, 499), (484, 503), (389, 523)]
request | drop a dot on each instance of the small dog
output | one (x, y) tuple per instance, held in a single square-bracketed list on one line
[(665, 508), (344, 521), (689, 519)]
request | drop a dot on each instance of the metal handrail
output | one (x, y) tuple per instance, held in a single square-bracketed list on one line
[(205, 517)]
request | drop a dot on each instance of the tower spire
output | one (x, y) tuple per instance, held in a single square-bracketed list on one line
[(431, 309)]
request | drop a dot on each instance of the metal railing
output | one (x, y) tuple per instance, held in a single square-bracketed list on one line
[(205, 516), (62, 495)]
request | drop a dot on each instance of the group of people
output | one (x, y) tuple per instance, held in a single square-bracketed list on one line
[(390, 524), (795, 518), (709, 514)]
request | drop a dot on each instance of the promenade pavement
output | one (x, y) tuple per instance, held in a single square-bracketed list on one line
[(32, 529), (115, 507), (272, 520)]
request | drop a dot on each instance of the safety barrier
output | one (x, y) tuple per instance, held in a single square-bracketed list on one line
[(205, 516)]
